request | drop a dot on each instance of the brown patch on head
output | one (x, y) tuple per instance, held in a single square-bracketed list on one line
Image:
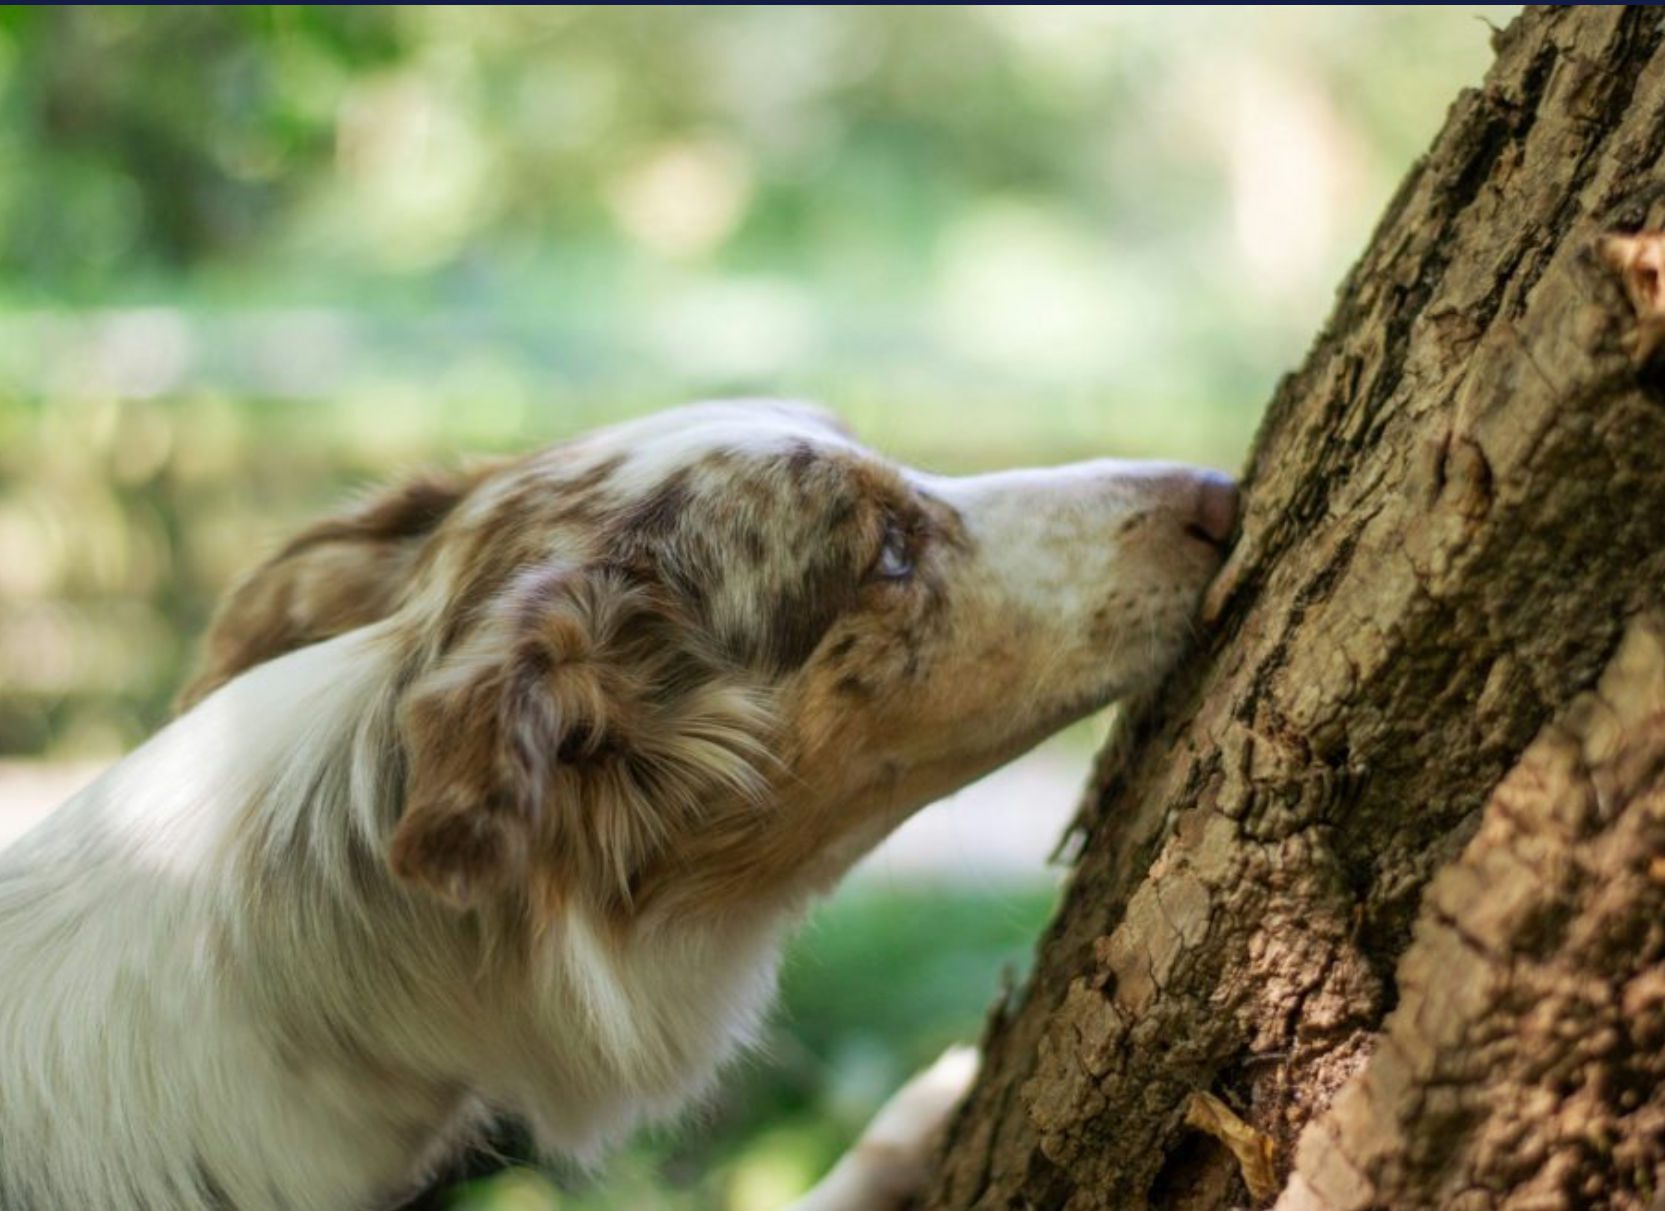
[(583, 499), (753, 546), (801, 460), (580, 488), (341, 573), (852, 686), (764, 548), (577, 732), (660, 514), (817, 532), (548, 506)]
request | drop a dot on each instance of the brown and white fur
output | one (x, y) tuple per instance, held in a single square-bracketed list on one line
[(499, 794)]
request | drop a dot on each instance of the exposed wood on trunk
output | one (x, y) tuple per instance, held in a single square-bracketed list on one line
[(1525, 1063), (1455, 508)]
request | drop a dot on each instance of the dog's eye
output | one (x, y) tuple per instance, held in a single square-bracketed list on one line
[(895, 560)]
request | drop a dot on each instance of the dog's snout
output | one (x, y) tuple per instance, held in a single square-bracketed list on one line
[(1201, 501), (1214, 511)]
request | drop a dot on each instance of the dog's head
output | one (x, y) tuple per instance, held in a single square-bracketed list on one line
[(717, 653)]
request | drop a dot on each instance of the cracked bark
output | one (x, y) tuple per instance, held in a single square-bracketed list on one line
[(1382, 868)]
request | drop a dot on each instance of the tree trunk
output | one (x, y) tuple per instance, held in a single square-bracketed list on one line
[(1382, 869)]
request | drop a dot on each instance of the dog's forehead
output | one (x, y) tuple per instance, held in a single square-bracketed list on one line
[(649, 473), (644, 454)]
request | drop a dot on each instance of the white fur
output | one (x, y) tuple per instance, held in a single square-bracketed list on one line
[(143, 977)]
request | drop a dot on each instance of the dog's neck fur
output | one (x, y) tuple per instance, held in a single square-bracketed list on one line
[(207, 948)]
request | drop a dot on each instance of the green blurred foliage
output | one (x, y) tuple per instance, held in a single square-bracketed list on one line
[(255, 257)]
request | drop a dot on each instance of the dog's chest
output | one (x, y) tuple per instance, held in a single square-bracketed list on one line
[(637, 1033)]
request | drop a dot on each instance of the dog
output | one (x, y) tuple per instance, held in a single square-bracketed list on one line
[(499, 793)]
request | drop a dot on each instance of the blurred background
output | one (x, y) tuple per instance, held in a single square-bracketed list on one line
[(252, 258)]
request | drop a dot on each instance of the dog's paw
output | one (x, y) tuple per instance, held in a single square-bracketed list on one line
[(907, 1125), (890, 1162)]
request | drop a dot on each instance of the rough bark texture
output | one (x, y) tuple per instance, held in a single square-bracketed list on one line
[(1383, 867)]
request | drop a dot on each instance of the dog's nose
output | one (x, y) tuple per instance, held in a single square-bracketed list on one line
[(1215, 508)]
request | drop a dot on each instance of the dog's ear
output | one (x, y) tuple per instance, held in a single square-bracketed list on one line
[(571, 736), (341, 573)]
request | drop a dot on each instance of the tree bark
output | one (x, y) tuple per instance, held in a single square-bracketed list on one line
[(1382, 868)]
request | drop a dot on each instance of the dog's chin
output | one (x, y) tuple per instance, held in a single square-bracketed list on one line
[(1131, 674)]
